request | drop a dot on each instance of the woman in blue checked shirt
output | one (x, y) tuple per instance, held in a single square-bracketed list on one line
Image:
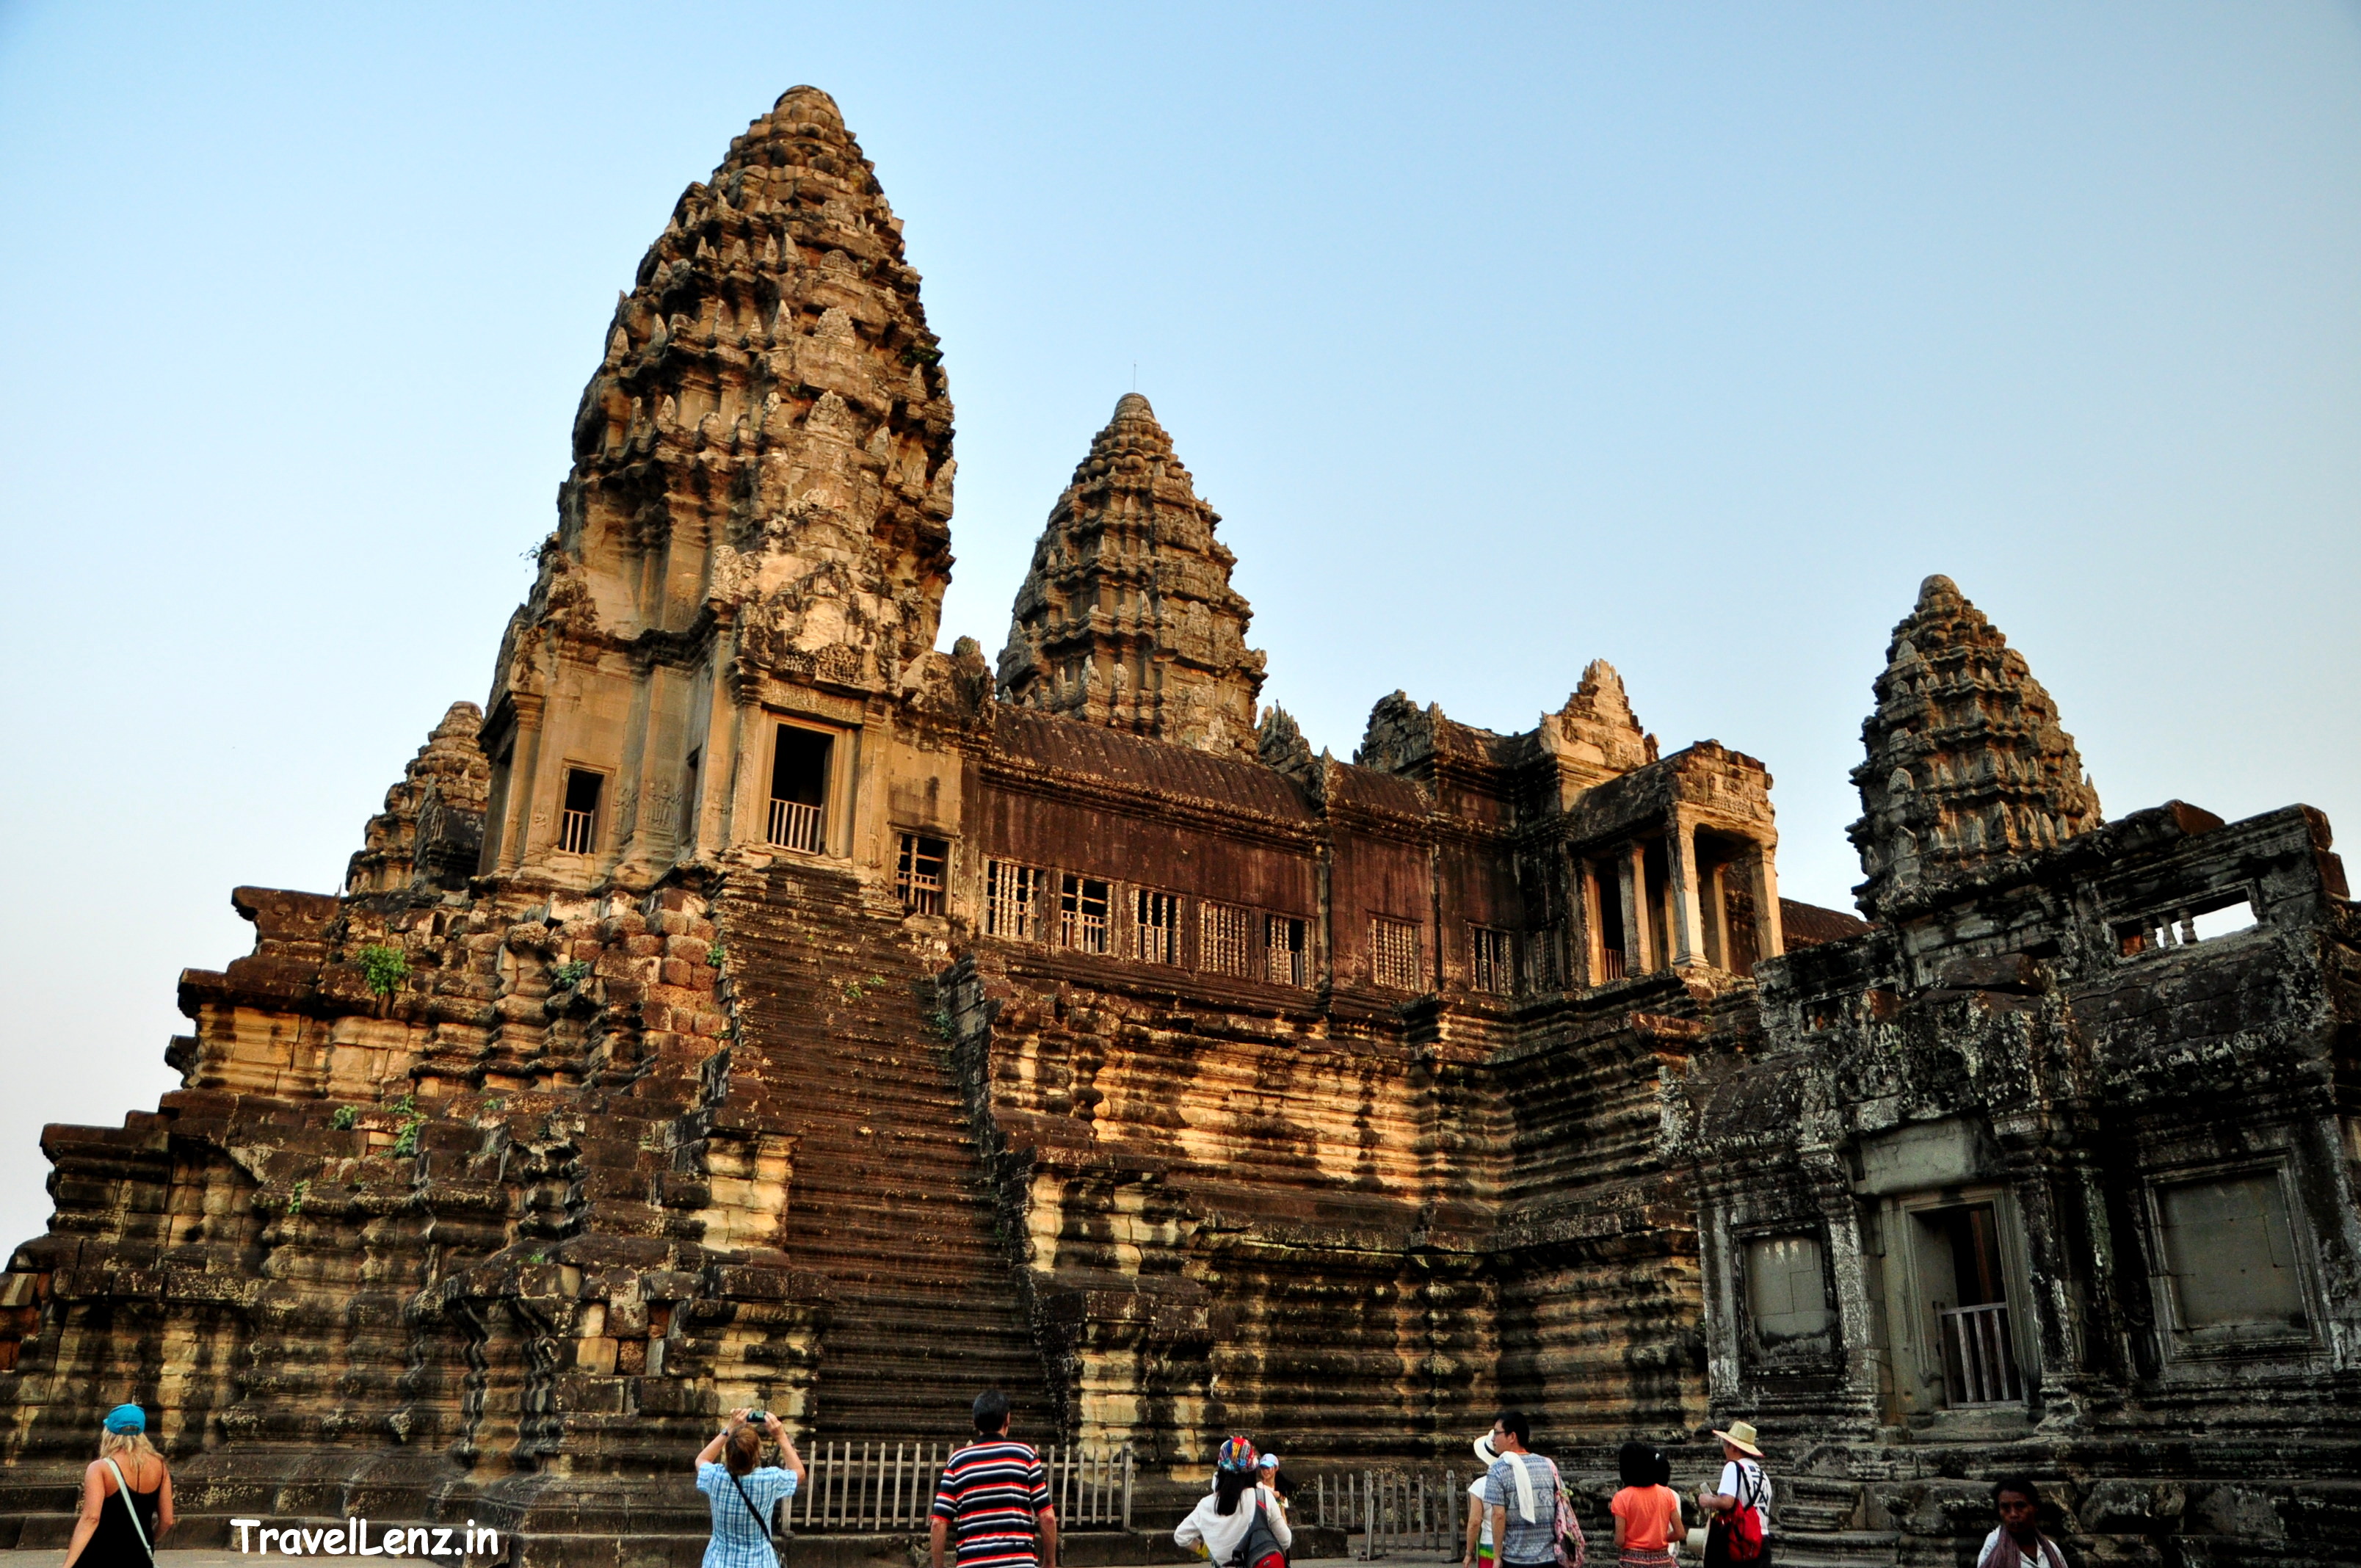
[(742, 1496)]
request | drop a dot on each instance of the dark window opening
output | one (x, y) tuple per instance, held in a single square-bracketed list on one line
[(919, 873), (1972, 1330), (799, 788), (1285, 950), (1614, 950), (578, 823)]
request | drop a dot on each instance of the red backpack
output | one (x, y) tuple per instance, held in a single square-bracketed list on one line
[(1742, 1536)]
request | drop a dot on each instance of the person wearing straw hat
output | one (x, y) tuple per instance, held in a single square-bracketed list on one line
[(1742, 1485), (126, 1498), (1478, 1551)]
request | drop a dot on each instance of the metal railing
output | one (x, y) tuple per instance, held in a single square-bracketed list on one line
[(1393, 1510), (878, 1488), (795, 826), (1979, 1361)]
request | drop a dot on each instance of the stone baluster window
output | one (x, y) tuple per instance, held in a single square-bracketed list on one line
[(1491, 965), (1012, 895), (1082, 913), (919, 873), (1393, 955), (1224, 940), (1156, 926)]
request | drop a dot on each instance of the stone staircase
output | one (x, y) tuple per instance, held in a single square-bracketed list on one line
[(888, 1201), (1817, 1523)]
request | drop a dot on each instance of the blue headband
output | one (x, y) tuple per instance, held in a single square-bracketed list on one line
[(124, 1419)]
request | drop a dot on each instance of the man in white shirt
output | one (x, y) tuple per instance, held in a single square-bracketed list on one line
[(1743, 1484)]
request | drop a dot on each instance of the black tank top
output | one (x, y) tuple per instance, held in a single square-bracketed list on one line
[(115, 1544)]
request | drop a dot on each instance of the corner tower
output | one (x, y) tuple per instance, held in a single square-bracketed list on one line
[(1967, 763), (1127, 617)]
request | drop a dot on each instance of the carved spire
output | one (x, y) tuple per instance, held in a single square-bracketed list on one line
[(768, 435), (433, 824), (1966, 762), (1127, 617), (1597, 731)]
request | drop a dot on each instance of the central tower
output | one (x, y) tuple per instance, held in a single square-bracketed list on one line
[(1127, 617)]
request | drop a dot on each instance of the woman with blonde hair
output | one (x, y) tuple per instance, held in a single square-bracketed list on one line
[(126, 1498)]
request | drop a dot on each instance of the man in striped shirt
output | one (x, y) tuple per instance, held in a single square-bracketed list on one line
[(994, 1494)]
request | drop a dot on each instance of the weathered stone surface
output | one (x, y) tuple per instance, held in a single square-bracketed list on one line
[(750, 1005)]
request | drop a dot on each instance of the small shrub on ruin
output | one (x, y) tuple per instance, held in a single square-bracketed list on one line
[(715, 954), (571, 973), (383, 969), (343, 1118), (302, 1190)]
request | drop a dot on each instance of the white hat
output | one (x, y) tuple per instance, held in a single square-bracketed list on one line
[(1483, 1446), (1269, 1461)]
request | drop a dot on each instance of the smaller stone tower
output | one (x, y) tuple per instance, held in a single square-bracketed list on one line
[(1127, 617), (1966, 761)]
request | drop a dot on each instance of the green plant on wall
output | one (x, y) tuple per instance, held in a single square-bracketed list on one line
[(572, 973), (302, 1190), (345, 1117), (715, 954), (383, 969)]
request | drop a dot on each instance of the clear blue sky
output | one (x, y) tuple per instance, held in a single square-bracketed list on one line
[(1688, 337)]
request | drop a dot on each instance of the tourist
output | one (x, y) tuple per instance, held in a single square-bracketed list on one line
[(1239, 1521), (1647, 1512), (2018, 1542), (1281, 1488), (1478, 1553), (996, 1494), (739, 1494), (127, 1497), (1521, 1491), (1742, 1485)]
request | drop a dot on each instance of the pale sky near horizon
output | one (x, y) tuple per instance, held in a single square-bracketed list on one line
[(1503, 338)]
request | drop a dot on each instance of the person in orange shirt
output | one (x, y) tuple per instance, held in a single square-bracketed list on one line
[(1647, 1512)]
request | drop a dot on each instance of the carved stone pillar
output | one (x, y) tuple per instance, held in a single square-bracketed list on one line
[(1632, 873), (1582, 938), (1770, 939), (1681, 876)]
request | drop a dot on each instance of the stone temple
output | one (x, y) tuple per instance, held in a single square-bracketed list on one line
[(751, 1004)]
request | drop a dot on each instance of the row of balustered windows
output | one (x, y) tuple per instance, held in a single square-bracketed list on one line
[(1095, 914)]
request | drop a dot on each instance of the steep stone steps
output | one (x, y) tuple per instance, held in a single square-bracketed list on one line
[(887, 1199)]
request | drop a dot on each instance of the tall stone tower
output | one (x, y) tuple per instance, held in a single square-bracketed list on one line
[(1127, 617), (1966, 761), (761, 492)]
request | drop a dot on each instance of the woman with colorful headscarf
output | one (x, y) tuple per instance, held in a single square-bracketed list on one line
[(1220, 1526), (126, 1498)]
